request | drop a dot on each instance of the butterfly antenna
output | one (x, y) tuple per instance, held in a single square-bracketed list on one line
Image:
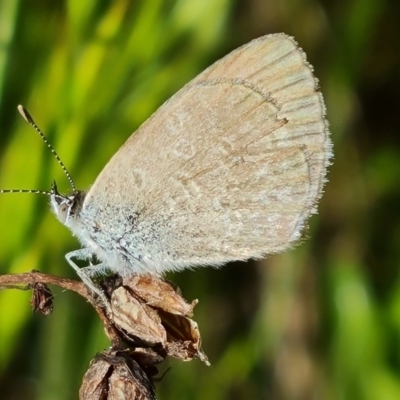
[(28, 118), (25, 191)]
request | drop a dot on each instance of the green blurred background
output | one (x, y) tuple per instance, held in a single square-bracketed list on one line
[(320, 322)]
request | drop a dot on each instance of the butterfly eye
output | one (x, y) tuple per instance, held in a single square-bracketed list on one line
[(63, 212)]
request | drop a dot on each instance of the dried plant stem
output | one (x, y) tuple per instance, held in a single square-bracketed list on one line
[(25, 281), (15, 281)]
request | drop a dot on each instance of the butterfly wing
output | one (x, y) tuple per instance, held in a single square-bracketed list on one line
[(229, 168)]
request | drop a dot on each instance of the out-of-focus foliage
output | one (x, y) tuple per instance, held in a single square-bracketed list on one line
[(322, 321)]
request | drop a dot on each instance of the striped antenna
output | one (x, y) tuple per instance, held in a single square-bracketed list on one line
[(25, 191), (28, 118)]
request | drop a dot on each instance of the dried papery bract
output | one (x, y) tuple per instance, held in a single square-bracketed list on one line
[(150, 311), (159, 293), (136, 319)]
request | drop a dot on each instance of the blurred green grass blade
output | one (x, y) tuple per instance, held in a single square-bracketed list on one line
[(8, 21)]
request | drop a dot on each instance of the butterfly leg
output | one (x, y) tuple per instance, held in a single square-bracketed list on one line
[(85, 273)]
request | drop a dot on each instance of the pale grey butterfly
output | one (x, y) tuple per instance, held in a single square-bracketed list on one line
[(230, 168)]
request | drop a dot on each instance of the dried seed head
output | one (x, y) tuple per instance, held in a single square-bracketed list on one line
[(116, 376), (42, 298)]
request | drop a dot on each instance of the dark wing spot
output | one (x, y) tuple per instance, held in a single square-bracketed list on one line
[(132, 218)]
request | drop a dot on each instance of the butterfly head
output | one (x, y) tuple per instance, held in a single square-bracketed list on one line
[(65, 207)]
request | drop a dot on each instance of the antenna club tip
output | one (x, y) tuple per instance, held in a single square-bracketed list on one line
[(25, 115)]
